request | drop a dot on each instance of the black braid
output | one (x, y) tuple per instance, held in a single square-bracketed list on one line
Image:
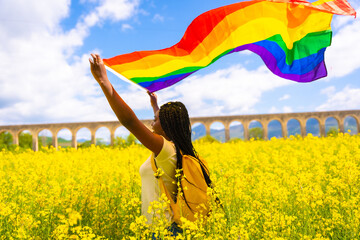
[(175, 122)]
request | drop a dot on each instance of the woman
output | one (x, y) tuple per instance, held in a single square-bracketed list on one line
[(171, 137)]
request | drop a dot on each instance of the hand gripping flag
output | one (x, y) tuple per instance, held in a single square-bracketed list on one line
[(289, 35)]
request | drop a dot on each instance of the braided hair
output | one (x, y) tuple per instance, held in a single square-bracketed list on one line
[(175, 122)]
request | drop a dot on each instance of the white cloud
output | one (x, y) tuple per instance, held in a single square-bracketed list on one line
[(355, 4), (246, 53), (273, 109), (340, 21), (158, 18), (328, 91), (136, 98), (22, 18), (234, 90), (287, 109), (346, 99), (285, 97), (125, 27), (41, 80), (88, 1), (113, 10), (342, 57)]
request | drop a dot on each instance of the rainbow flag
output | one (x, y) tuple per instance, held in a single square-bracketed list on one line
[(289, 35)]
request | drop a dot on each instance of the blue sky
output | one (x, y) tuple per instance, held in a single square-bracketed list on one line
[(45, 76)]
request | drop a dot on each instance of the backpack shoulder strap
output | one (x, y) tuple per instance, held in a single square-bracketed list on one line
[(163, 188), (153, 163)]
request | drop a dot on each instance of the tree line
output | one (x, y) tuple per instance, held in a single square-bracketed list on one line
[(25, 141)]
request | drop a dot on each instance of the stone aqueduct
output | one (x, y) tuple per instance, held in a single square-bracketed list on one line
[(245, 120)]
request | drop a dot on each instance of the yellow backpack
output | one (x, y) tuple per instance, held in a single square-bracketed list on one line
[(194, 197)]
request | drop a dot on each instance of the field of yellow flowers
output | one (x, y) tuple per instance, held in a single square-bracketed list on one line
[(295, 188)]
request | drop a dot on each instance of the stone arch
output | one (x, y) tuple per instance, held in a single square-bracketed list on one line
[(25, 130), (218, 121), (351, 124), (83, 136), (236, 130), (112, 129), (293, 127), (6, 131), (65, 140), (332, 125), (121, 131), (45, 137), (217, 130), (120, 135), (105, 135), (275, 128), (3, 130), (256, 129), (198, 130), (313, 126), (26, 138)]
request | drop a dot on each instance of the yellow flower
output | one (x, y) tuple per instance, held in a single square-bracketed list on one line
[(294, 188)]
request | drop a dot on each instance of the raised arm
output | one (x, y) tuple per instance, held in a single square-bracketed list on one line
[(123, 112), (153, 101)]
